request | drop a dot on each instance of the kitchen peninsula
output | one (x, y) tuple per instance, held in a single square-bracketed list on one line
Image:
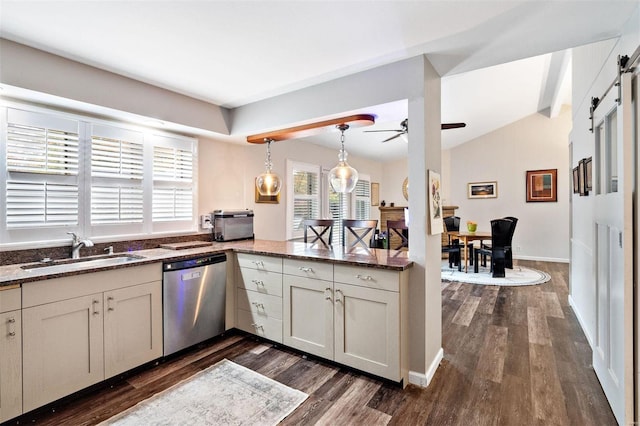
[(345, 306)]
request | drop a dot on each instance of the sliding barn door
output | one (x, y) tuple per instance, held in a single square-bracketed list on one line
[(613, 181)]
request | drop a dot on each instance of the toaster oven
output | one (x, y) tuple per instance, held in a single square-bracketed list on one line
[(230, 225)]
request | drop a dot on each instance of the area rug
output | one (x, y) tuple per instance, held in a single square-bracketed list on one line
[(519, 275), (224, 394)]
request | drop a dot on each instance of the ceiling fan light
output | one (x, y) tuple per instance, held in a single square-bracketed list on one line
[(268, 183), (343, 178)]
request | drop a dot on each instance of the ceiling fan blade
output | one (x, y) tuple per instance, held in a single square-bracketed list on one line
[(446, 126), (372, 131), (392, 137)]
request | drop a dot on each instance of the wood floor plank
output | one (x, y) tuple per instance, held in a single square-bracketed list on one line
[(493, 353), (488, 299), (351, 407), (467, 311), (546, 392), (552, 305), (538, 328)]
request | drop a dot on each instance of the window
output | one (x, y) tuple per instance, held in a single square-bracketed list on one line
[(362, 198), (304, 193), (67, 173)]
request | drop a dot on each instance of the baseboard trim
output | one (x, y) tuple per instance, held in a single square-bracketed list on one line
[(423, 379), (576, 311), (542, 259)]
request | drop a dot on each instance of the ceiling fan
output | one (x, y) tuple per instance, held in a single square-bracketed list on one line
[(404, 129)]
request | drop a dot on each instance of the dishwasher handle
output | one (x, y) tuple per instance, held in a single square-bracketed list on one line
[(194, 262)]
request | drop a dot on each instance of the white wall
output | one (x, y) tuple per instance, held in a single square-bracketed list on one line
[(504, 155), (227, 173), (594, 68)]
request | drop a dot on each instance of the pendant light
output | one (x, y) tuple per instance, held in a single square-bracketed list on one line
[(343, 177), (268, 183)]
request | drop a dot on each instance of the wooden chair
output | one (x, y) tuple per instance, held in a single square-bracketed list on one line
[(319, 227), (401, 230), (359, 229), (452, 224)]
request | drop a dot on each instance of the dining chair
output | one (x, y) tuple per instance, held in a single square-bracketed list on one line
[(500, 229), (508, 246), (358, 229), (452, 224), (400, 228), (453, 247), (319, 227)]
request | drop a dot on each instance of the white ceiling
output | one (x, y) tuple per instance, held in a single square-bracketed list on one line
[(235, 52)]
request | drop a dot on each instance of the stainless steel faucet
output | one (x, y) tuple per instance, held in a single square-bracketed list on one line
[(77, 244)]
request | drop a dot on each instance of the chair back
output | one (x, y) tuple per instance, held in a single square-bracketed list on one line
[(514, 221), (400, 228), (500, 229), (452, 224), (319, 229), (359, 229)]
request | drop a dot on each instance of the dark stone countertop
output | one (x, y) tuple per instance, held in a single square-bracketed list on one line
[(12, 276)]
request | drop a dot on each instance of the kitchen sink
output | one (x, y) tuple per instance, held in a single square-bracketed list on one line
[(82, 263)]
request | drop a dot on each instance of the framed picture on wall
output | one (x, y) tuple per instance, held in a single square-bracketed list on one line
[(482, 190), (588, 174), (435, 202), (542, 185), (576, 181)]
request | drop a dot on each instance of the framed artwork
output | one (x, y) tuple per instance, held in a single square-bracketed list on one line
[(375, 193), (267, 199), (482, 190), (582, 183), (588, 172), (542, 185), (576, 181), (435, 203)]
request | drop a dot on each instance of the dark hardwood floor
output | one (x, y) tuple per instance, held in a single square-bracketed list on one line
[(513, 356)]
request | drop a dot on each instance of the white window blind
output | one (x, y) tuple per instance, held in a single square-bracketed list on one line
[(41, 170), (117, 170), (172, 183), (362, 199), (303, 183), (38, 204), (338, 210)]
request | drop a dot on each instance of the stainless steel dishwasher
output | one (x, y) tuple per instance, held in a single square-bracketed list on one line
[(193, 300)]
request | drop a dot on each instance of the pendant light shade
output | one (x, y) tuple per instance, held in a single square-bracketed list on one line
[(268, 183), (343, 178)]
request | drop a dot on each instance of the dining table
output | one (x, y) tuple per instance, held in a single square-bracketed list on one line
[(465, 238)]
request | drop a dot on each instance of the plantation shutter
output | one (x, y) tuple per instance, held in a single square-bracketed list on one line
[(172, 183), (306, 197), (42, 170), (338, 210), (362, 194), (117, 169)]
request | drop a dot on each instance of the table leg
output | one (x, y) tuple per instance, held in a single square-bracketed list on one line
[(466, 256)]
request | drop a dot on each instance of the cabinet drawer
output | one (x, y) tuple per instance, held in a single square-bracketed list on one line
[(260, 262), (263, 305), (383, 279), (269, 328), (308, 269), (10, 300), (261, 281)]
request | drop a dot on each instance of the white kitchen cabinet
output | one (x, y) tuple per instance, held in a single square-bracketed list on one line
[(259, 295), (308, 313), (81, 329), (367, 329), (63, 348), (10, 354), (132, 327)]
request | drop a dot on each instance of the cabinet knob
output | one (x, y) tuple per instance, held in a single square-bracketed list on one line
[(12, 327), (109, 300), (327, 296), (11, 320), (341, 294), (94, 304)]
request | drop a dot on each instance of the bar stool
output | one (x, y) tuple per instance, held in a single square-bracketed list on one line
[(359, 229), (319, 227)]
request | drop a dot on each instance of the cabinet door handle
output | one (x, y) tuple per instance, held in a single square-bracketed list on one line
[(341, 294), (109, 300), (327, 296), (258, 282), (258, 305), (258, 263), (364, 277), (304, 269), (94, 305), (257, 327), (12, 327)]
